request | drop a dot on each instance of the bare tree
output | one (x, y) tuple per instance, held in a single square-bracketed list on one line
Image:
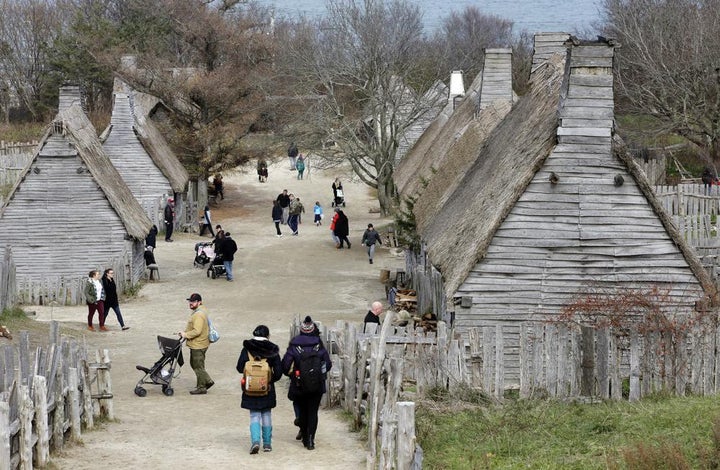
[(28, 29), (362, 62), (669, 65)]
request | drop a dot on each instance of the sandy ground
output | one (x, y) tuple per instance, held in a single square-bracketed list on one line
[(275, 279)]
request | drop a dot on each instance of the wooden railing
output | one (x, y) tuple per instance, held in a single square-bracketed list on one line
[(49, 397)]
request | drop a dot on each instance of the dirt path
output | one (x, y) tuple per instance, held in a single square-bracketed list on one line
[(274, 280)]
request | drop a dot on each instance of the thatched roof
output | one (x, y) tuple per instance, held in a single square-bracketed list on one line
[(459, 235), (77, 129), (151, 139), (417, 164)]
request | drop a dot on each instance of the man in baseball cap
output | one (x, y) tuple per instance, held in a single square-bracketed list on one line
[(196, 334)]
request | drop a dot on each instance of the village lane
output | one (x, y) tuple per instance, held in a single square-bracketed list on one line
[(275, 280)]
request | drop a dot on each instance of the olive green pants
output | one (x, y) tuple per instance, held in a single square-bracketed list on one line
[(197, 362)]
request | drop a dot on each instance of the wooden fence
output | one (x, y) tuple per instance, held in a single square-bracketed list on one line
[(7, 280), (48, 397), (14, 157)]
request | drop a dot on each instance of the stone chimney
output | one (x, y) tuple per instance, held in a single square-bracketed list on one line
[(496, 77)]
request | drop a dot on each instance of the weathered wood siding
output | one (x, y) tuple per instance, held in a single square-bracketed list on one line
[(547, 44), (147, 183), (59, 222), (413, 132), (584, 232), (497, 77)]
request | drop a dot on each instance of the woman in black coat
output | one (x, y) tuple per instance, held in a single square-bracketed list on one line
[(261, 406), (342, 229)]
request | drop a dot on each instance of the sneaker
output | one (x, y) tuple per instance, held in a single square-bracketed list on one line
[(254, 449), (91, 328), (279, 236), (103, 328), (198, 391), (295, 233), (125, 328), (371, 262), (267, 448)]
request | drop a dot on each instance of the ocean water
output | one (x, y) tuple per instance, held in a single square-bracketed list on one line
[(531, 15)]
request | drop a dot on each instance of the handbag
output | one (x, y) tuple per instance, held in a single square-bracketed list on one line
[(213, 334)]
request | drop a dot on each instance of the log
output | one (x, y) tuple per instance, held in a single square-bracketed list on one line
[(406, 439), (42, 448), (74, 401), (375, 379), (26, 416)]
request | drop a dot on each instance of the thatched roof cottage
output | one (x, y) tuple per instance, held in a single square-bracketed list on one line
[(71, 212), (552, 207)]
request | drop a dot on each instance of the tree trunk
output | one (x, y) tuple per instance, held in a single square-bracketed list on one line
[(386, 197)]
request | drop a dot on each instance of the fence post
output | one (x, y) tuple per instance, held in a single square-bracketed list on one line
[(634, 366), (74, 402), (405, 434), (59, 414), (105, 385), (26, 416), (377, 363), (4, 434), (350, 367), (42, 452), (588, 361)]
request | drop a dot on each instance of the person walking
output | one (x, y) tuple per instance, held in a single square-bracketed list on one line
[(338, 195), (292, 155), (169, 214), (304, 356), (227, 249), (318, 211), (369, 239), (206, 223), (111, 297), (259, 347), (300, 166), (196, 334), (219, 187), (95, 299), (277, 217), (296, 209), (342, 229), (284, 200), (333, 221)]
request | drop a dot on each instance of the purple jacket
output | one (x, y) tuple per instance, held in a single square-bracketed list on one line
[(306, 342)]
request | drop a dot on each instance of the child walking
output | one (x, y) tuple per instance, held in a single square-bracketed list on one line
[(318, 213)]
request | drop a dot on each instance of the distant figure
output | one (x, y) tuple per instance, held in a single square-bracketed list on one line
[(342, 229), (296, 209), (150, 257), (206, 223), (292, 155), (277, 217), (169, 219), (151, 237), (333, 221), (708, 178), (227, 249), (300, 166), (318, 211), (111, 297), (338, 195), (373, 315), (219, 186), (95, 299), (369, 239), (283, 200), (262, 170)]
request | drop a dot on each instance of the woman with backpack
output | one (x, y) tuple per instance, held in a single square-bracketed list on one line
[(307, 362), (259, 363)]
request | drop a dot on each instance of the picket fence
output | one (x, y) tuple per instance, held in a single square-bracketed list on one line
[(8, 288), (48, 397)]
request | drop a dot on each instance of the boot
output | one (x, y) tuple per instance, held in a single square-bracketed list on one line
[(267, 438), (254, 438), (311, 442)]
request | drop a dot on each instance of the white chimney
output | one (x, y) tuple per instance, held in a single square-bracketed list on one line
[(457, 86)]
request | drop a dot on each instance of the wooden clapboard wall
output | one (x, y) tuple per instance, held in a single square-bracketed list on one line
[(59, 221), (581, 224), (146, 181)]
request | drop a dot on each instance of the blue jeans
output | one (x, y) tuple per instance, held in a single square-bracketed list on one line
[(228, 269), (115, 307), (262, 417), (293, 223)]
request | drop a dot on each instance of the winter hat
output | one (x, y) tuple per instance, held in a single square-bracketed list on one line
[(307, 326)]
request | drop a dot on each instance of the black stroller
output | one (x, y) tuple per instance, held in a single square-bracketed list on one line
[(339, 199), (216, 268), (163, 371), (204, 253)]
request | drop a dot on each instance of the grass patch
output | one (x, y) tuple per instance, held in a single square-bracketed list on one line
[(661, 432), (22, 132), (16, 320)]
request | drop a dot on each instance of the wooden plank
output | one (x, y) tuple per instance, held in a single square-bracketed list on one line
[(406, 439)]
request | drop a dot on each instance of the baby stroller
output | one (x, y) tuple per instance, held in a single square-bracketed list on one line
[(163, 371), (339, 198), (216, 268), (204, 252)]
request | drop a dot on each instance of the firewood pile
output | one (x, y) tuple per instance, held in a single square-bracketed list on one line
[(406, 306)]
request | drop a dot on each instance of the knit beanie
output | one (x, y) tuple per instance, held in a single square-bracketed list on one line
[(307, 326)]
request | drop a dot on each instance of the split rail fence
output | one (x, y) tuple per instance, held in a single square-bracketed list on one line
[(47, 397)]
